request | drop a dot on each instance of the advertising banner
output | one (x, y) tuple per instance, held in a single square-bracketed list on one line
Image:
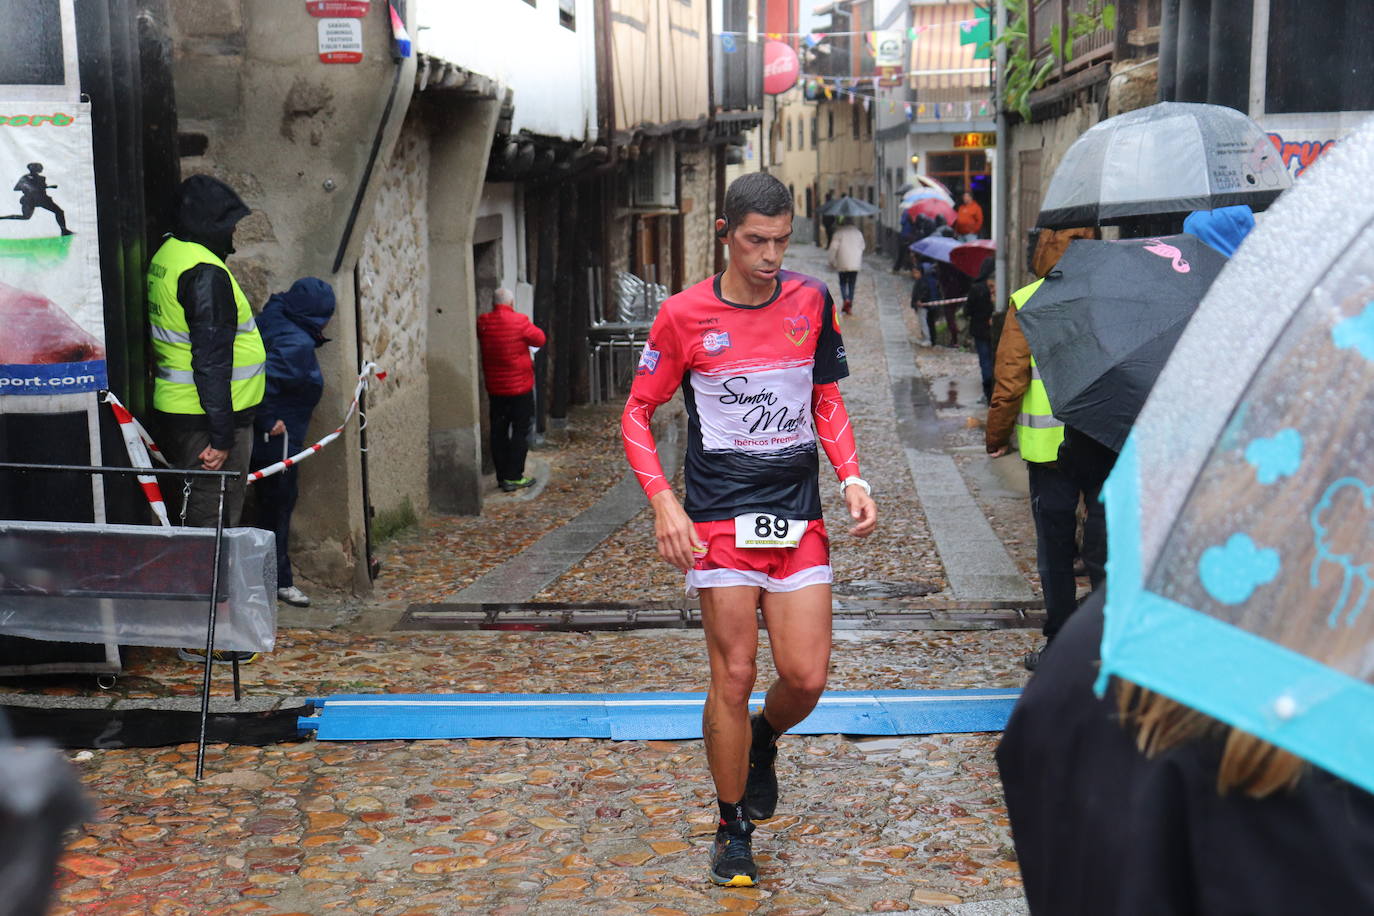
[(52, 328)]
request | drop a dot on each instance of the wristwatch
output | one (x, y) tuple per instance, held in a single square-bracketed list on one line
[(858, 481)]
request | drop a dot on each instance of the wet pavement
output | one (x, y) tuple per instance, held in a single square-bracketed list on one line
[(911, 825)]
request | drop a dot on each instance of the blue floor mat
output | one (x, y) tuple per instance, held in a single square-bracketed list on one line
[(643, 716)]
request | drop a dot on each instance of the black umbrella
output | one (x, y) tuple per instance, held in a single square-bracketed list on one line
[(849, 207), (1103, 323)]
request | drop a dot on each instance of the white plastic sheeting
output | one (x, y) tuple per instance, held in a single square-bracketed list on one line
[(136, 585)]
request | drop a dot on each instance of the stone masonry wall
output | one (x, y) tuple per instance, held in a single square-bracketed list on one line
[(394, 296)]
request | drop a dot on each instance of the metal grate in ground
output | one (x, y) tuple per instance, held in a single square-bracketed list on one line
[(888, 614)]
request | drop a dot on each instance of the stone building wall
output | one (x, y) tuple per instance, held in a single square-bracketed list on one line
[(393, 282), (258, 109), (698, 170)]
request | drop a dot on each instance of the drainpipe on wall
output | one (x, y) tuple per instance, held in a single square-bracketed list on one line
[(1002, 166)]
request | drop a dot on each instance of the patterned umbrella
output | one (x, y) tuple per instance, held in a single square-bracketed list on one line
[(1173, 157), (1241, 511), (932, 207)]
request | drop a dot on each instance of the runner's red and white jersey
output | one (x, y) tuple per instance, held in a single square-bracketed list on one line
[(748, 374)]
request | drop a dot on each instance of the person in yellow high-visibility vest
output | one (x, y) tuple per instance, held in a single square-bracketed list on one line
[(1019, 403), (211, 367)]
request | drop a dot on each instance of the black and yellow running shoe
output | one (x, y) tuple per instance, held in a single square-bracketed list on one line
[(732, 855), (761, 791)]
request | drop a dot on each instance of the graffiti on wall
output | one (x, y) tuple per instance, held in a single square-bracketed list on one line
[(1297, 155)]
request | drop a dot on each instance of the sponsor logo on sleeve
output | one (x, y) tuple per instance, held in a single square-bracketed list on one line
[(648, 361), (714, 341), (797, 329)]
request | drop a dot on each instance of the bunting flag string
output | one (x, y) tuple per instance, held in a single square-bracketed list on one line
[(966, 25)]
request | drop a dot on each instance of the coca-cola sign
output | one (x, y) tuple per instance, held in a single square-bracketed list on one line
[(780, 67)]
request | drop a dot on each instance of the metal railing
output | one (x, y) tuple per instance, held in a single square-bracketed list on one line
[(1044, 15)]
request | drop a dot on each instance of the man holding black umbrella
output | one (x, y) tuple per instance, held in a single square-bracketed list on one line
[(1019, 402)]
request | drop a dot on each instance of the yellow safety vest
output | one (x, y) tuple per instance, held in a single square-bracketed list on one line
[(1038, 433), (174, 388)]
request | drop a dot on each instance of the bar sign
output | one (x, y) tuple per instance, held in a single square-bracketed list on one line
[(341, 41)]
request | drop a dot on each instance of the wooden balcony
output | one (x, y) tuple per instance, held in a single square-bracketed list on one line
[(1045, 15)]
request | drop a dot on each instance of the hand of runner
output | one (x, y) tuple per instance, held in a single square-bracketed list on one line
[(676, 536), (862, 509)]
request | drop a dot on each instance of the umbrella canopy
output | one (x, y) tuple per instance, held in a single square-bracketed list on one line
[(1105, 320), (1239, 513), (932, 207), (969, 256), (849, 207), (1168, 158), (935, 247), (923, 193)]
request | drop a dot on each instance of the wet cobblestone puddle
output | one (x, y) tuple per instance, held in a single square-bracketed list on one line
[(570, 826)]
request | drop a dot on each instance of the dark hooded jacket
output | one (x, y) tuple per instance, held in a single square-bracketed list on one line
[(292, 327), (1102, 830), (207, 212)]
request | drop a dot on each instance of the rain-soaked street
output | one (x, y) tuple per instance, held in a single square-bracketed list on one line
[(912, 824)]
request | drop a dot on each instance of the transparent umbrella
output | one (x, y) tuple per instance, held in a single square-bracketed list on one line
[(1241, 511), (1172, 157)]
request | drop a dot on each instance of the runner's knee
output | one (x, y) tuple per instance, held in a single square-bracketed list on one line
[(734, 679)]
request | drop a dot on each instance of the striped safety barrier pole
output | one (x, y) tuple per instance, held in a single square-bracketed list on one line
[(369, 370), (138, 443)]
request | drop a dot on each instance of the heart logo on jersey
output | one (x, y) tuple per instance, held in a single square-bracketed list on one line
[(797, 329)]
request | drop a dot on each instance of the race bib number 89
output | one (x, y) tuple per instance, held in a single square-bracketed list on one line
[(759, 529)]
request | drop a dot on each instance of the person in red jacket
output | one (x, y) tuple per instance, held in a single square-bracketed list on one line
[(506, 337), (969, 221)]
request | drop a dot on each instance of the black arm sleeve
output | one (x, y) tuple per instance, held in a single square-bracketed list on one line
[(208, 299)]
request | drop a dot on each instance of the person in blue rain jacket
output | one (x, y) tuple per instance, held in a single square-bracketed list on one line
[(292, 327)]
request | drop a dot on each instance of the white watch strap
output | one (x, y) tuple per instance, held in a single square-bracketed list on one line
[(859, 481)]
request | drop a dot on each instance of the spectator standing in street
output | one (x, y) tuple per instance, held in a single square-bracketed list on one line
[(761, 350), (211, 367), (1019, 402), (506, 337), (982, 294), (846, 258), (925, 287), (968, 220), (292, 325), (828, 221)]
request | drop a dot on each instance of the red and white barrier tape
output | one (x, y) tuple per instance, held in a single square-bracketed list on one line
[(369, 370), (138, 444)]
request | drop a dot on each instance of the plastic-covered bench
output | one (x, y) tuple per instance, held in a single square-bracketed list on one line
[(141, 585)]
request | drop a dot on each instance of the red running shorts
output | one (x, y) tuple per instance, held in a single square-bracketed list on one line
[(773, 569)]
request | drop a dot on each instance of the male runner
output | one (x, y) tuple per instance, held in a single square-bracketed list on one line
[(757, 351)]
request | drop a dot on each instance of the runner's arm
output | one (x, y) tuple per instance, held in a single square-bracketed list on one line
[(673, 529), (834, 430), (641, 451), (837, 437)]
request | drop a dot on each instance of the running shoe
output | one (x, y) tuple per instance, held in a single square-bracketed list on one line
[(510, 486), (761, 791), (732, 856)]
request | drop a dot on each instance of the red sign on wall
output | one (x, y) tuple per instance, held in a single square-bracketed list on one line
[(328, 9), (780, 67)]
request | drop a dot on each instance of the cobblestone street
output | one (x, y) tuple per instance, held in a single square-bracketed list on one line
[(912, 824)]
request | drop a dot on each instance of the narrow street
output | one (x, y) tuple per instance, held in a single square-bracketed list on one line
[(565, 826)]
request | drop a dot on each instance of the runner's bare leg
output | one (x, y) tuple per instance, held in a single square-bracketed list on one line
[(730, 618), (799, 635)]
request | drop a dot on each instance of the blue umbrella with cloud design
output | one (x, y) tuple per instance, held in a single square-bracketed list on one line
[(1241, 511)]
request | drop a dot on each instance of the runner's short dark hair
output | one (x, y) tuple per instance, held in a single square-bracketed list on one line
[(755, 192)]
